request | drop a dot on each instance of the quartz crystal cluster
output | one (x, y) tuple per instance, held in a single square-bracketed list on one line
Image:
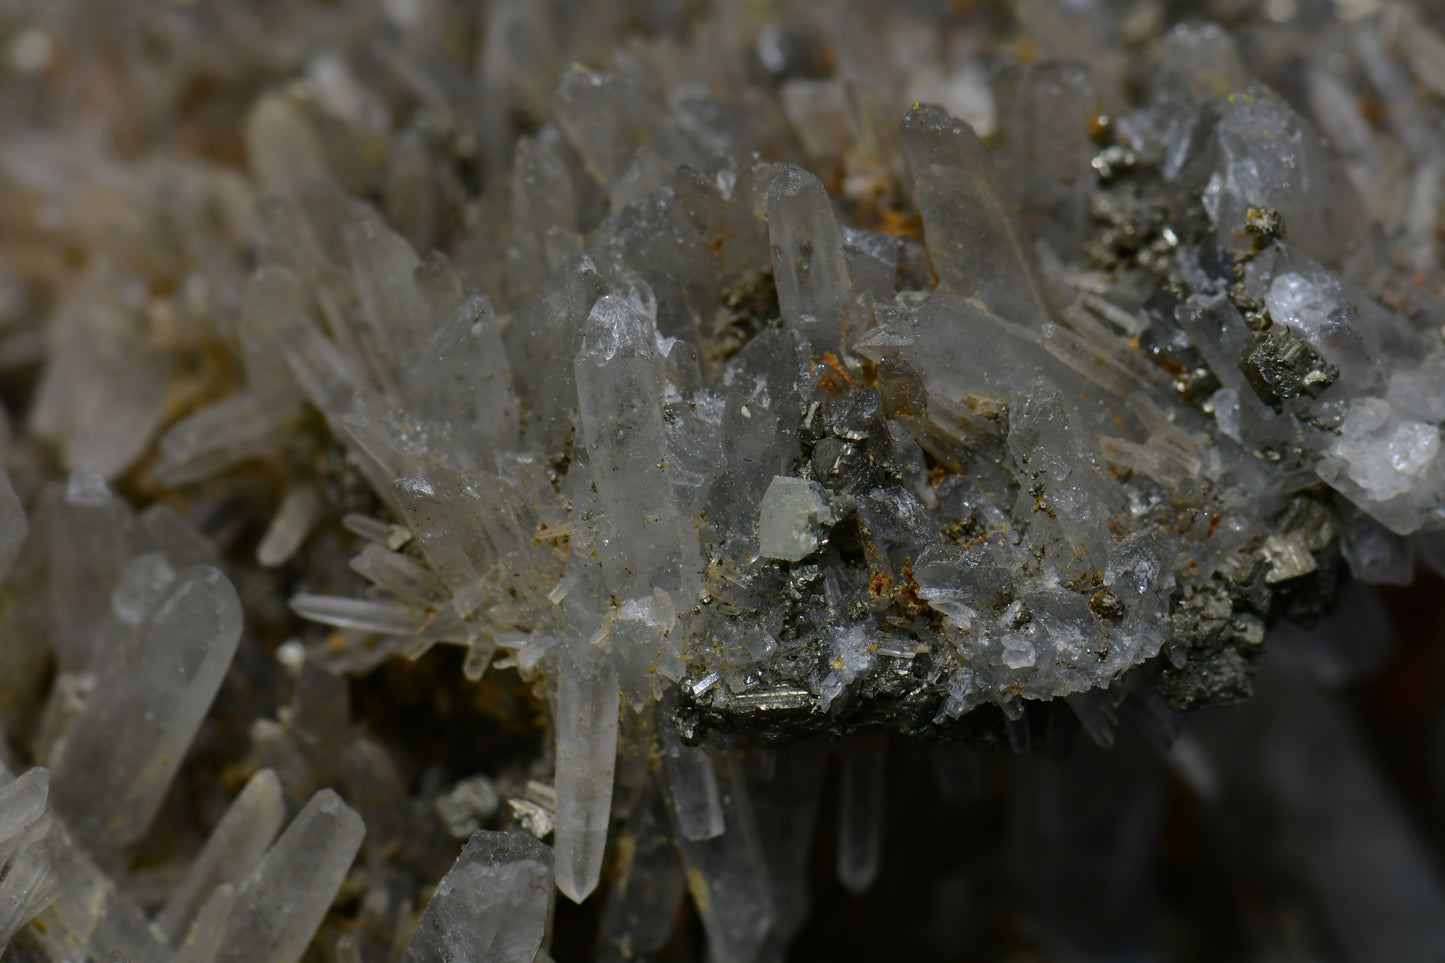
[(724, 382)]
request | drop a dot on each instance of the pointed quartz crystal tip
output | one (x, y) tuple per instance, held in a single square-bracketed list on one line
[(284, 900), (814, 289), (586, 703), (976, 246), (491, 907), (617, 328), (282, 146), (233, 849)]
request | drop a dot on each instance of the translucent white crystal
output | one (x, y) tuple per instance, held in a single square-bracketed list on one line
[(585, 710), (298, 511), (153, 690), (1288, 178), (491, 906), (89, 911), (284, 899), (974, 244), (819, 112), (852, 654), (233, 849), (102, 399), (619, 388), (1044, 110), (282, 146), (814, 290), (647, 888), (692, 783), (1387, 456), (727, 874), (204, 938), (607, 117), (212, 439), (27, 880), (543, 206), (789, 522), (461, 377)]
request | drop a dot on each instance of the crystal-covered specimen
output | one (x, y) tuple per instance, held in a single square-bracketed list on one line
[(491, 906), (709, 411)]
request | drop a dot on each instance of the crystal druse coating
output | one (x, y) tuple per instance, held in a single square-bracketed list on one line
[(567, 442)]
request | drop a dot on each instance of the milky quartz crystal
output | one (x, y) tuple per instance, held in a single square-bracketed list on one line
[(728, 384)]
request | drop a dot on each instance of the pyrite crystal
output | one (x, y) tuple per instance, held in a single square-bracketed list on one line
[(606, 434)]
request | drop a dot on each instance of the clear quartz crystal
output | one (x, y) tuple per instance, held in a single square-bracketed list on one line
[(728, 876), (585, 706), (232, 850), (974, 243), (203, 940), (89, 910), (491, 906), (619, 387), (154, 688), (297, 513), (814, 290), (645, 893), (284, 899), (90, 531), (692, 783), (27, 880)]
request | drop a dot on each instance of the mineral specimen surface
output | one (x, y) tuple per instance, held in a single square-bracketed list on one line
[(554, 431)]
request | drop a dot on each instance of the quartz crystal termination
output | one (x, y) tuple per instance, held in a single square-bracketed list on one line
[(275, 911)]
